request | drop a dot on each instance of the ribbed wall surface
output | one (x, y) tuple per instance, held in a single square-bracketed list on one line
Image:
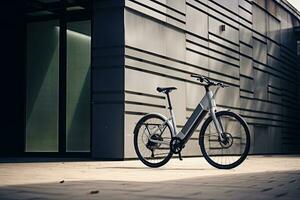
[(167, 40)]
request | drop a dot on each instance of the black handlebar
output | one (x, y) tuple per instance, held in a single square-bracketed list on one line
[(208, 82)]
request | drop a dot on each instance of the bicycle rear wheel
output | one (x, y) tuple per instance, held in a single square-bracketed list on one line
[(234, 149), (151, 153)]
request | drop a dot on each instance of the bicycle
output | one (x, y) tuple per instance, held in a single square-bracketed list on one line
[(224, 137)]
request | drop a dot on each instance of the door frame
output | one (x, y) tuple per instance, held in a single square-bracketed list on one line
[(63, 16)]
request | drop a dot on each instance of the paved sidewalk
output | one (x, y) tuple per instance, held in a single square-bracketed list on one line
[(259, 177)]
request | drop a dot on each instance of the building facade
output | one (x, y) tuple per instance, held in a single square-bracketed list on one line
[(88, 70)]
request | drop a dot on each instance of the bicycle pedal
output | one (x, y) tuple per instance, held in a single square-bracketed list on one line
[(180, 158)]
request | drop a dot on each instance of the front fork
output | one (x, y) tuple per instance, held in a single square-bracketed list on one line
[(217, 123)]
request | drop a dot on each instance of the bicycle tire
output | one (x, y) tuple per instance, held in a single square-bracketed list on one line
[(136, 144), (202, 141)]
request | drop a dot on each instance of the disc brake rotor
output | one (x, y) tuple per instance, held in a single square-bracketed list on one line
[(228, 141)]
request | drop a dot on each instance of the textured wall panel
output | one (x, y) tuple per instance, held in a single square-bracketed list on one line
[(221, 41), (177, 5), (234, 56), (260, 84), (196, 22), (223, 68), (261, 3), (166, 41), (201, 5), (273, 49), (230, 34), (246, 50), (246, 5), (144, 33), (231, 5), (272, 8), (147, 83), (197, 59), (246, 66), (261, 135), (175, 49), (245, 15), (247, 84), (229, 97), (259, 20), (219, 11), (259, 51), (273, 28), (156, 11), (196, 93)]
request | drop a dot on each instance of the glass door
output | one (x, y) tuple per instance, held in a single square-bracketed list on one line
[(78, 86), (58, 73), (42, 86)]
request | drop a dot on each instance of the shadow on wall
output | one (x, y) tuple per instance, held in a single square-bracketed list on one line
[(276, 94)]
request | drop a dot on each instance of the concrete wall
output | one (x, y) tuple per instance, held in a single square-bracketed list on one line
[(107, 79), (167, 40)]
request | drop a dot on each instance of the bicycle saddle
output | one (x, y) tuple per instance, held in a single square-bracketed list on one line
[(165, 89)]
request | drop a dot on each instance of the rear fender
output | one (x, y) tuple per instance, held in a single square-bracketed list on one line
[(163, 117)]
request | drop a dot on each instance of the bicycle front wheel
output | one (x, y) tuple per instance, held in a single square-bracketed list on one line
[(233, 149), (152, 137)]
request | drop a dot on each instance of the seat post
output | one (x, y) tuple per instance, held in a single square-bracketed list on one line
[(169, 101), (172, 115)]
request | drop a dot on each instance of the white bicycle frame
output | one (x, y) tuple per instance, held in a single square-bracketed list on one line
[(207, 104)]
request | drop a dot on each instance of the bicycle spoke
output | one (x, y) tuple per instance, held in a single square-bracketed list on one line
[(229, 150), (156, 130)]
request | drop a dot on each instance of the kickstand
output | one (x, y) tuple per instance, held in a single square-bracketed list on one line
[(180, 158), (152, 154)]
